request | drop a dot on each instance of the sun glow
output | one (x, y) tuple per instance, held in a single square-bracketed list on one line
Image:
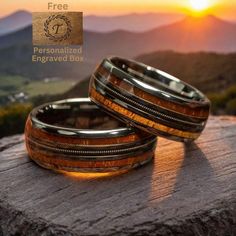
[(80, 175), (199, 5)]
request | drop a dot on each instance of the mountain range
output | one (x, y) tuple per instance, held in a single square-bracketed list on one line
[(132, 22), (190, 34), (15, 21)]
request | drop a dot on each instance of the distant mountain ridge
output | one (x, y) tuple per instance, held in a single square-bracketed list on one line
[(15, 21), (207, 33), (134, 22), (131, 22), (188, 35)]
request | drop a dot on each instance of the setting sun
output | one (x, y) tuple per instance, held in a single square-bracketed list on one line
[(199, 5)]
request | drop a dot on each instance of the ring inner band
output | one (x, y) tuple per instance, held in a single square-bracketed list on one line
[(77, 116)]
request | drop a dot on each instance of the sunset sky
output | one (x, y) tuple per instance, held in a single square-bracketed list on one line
[(222, 8)]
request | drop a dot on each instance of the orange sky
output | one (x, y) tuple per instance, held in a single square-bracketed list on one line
[(222, 8)]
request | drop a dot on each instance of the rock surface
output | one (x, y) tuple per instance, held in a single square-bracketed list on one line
[(187, 190)]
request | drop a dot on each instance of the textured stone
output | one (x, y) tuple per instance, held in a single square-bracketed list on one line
[(187, 190)]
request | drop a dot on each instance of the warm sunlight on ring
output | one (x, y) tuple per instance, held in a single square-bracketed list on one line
[(199, 5)]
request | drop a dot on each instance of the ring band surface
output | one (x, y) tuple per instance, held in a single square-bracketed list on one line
[(75, 135), (149, 99)]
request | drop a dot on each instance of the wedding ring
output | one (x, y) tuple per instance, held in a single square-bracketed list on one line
[(75, 135), (149, 99)]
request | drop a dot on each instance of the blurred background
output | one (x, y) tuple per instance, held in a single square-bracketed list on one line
[(194, 40)]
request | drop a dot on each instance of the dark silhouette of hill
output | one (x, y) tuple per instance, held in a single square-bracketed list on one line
[(79, 90), (20, 37), (17, 60), (15, 21), (209, 72)]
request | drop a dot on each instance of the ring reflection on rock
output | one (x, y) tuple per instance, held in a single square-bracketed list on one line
[(75, 135), (149, 99)]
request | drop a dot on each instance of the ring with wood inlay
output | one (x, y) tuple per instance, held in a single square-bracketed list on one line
[(75, 135), (149, 99)]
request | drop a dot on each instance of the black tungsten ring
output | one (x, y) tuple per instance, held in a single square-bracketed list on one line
[(75, 135), (149, 99)]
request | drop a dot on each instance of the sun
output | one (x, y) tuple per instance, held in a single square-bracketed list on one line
[(199, 5)]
